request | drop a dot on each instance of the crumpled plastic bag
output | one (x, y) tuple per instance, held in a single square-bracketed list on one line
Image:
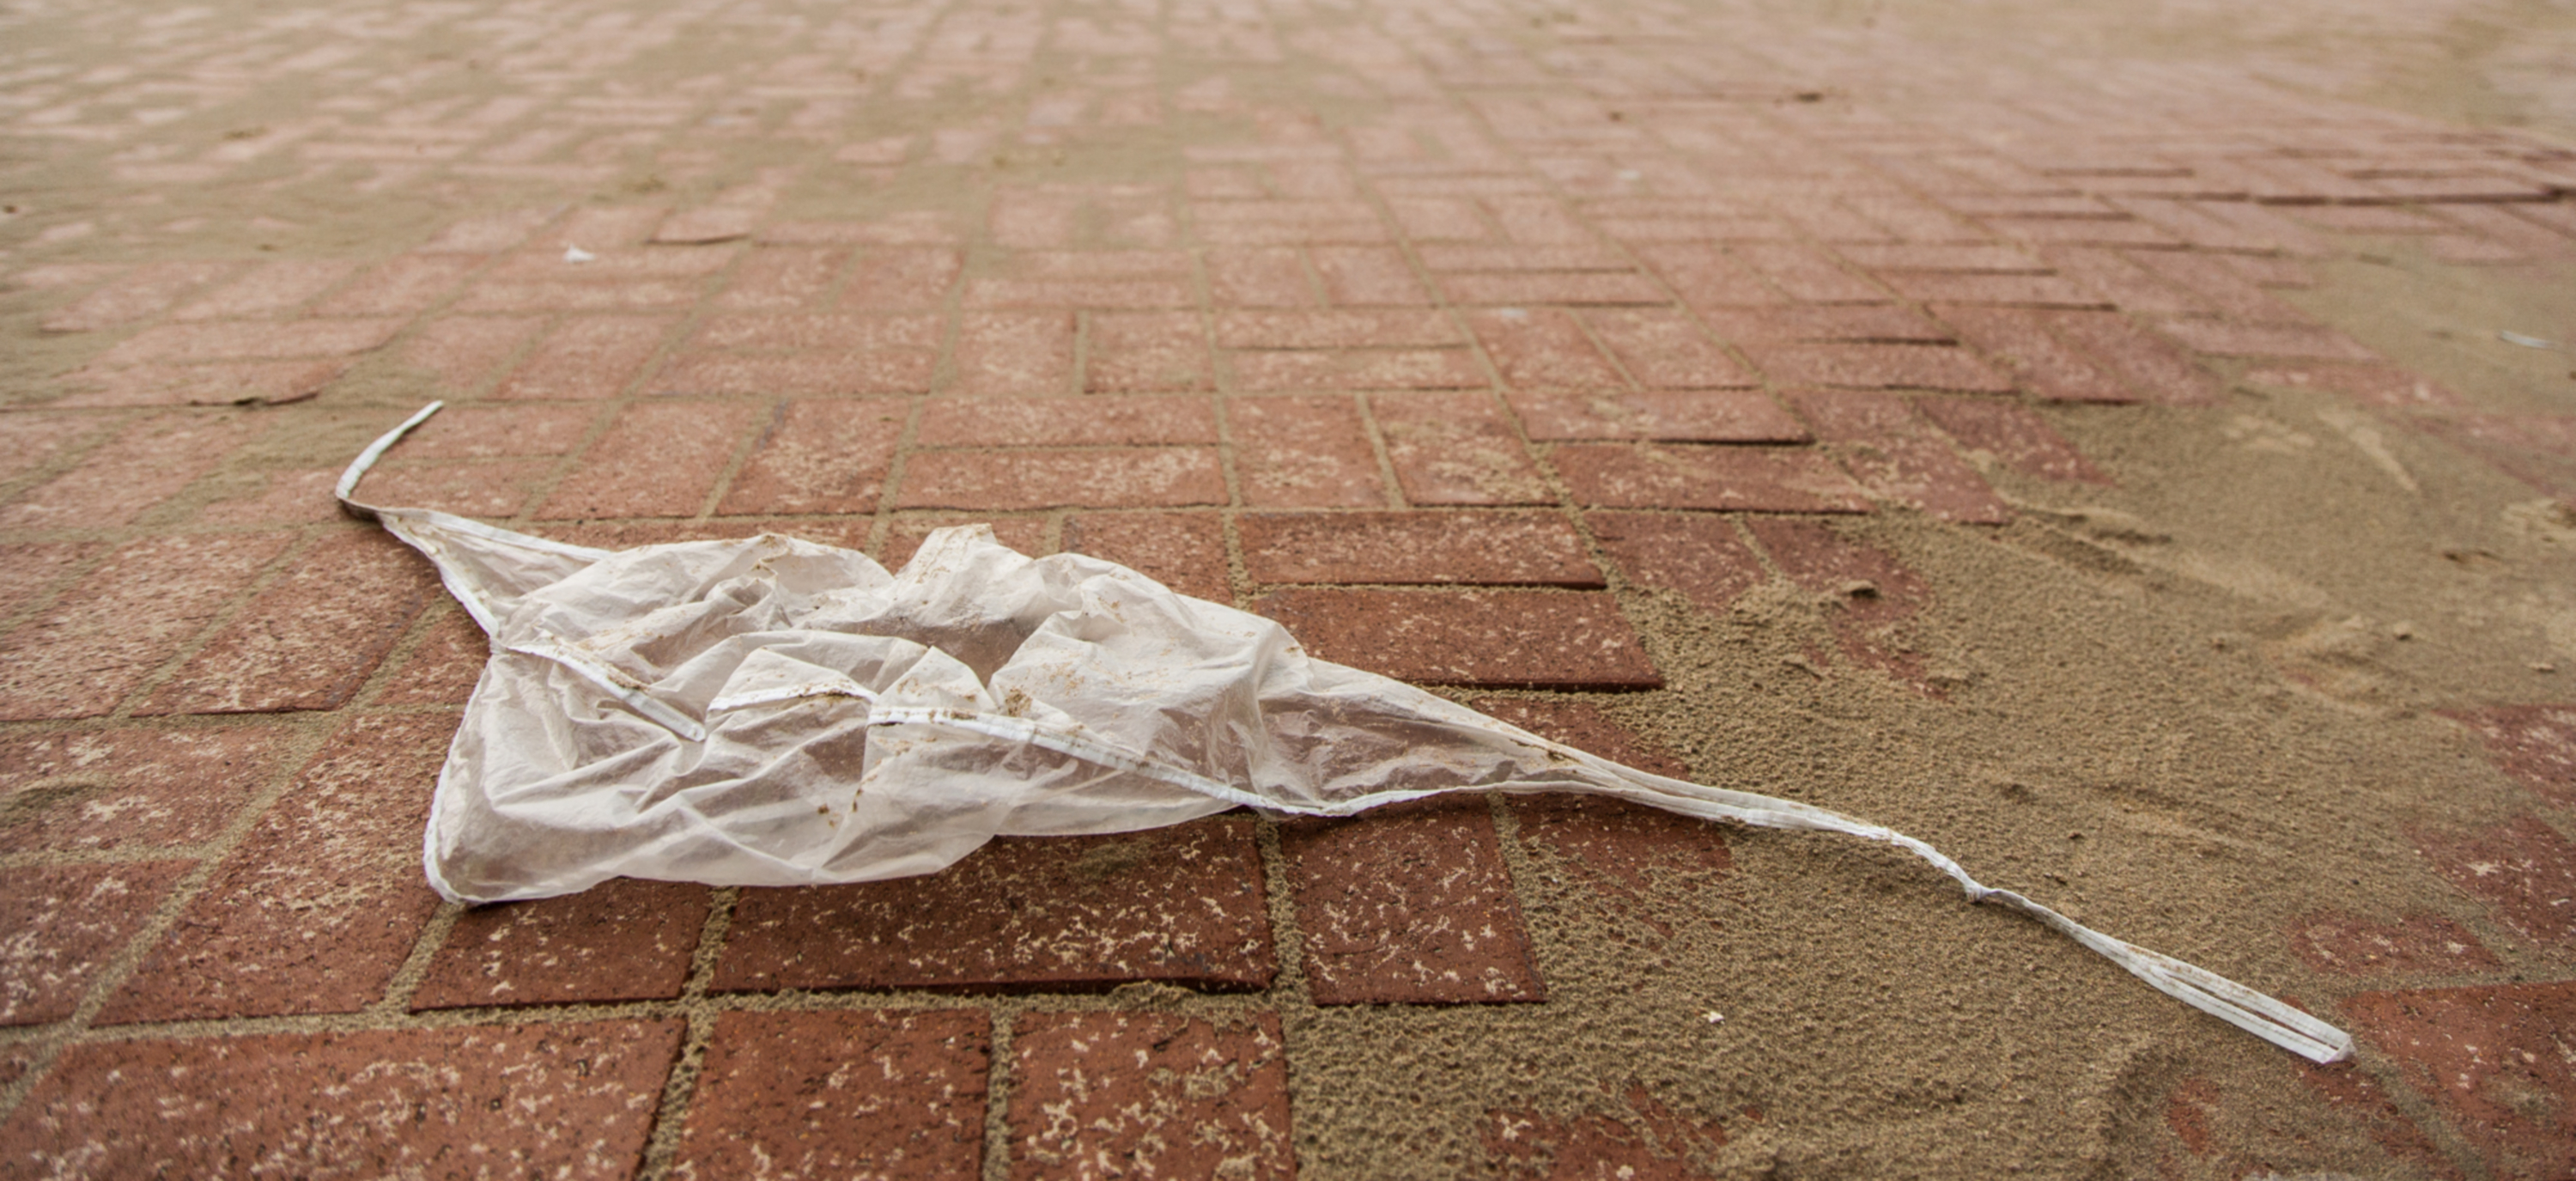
[(772, 712)]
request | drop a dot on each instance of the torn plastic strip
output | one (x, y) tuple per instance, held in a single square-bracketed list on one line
[(2209, 992)]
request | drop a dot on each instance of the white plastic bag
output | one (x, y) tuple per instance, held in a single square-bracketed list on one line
[(771, 712)]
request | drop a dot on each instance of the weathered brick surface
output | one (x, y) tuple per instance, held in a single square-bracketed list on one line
[(1688, 416), (1180, 904), (841, 1093), (1149, 1095), (587, 357), (310, 638), (1882, 441), (1878, 366), (1408, 904), (572, 1101), (2523, 868), (1184, 551), (1495, 549), (1304, 453), (2012, 435), (1870, 597), (2353, 946), (1646, 1139), (623, 940), (1456, 449), (659, 459), (105, 634), (1529, 638), (1701, 556), (130, 788), (2375, 385), (819, 456), (320, 904), (2534, 744), (1762, 479), (149, 461), (1160, 477), (1109, 421), (2488, 1059), (65, 924)]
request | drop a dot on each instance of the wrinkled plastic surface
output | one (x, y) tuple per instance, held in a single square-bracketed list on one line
[(772, 712)]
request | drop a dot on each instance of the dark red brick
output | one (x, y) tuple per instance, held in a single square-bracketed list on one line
[(1103, 421), (322, 902), (841, 1094), (2523, 868), (97, 790), (1498, 549), (443, 667), (1691, 416), (621, 940), (1583, 726), (567, 1101), (1184, 551), (587, 357), (107, 633), (2374, 385), (2151, 365), (1157, 477), (1760, 479), (2348, 945), (1665, 349), (2534, 744), (1303, 453), (2011, 434), (1646, 1142), (1456, 449), (659, 459), (1897, 457), (66, 923), (1531, 639), (147, 463), (1149, 1095), (1408, 904), (1871, 598), (1878, 366), (1700, 556), (2490, 1059), (310, 638), (1181, 904), (819, 456)]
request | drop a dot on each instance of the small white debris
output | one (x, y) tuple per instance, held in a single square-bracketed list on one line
[(2529, 342), (1713, 1016), (577, 254)]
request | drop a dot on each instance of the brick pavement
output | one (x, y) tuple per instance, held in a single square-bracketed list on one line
[(1457, 340)]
